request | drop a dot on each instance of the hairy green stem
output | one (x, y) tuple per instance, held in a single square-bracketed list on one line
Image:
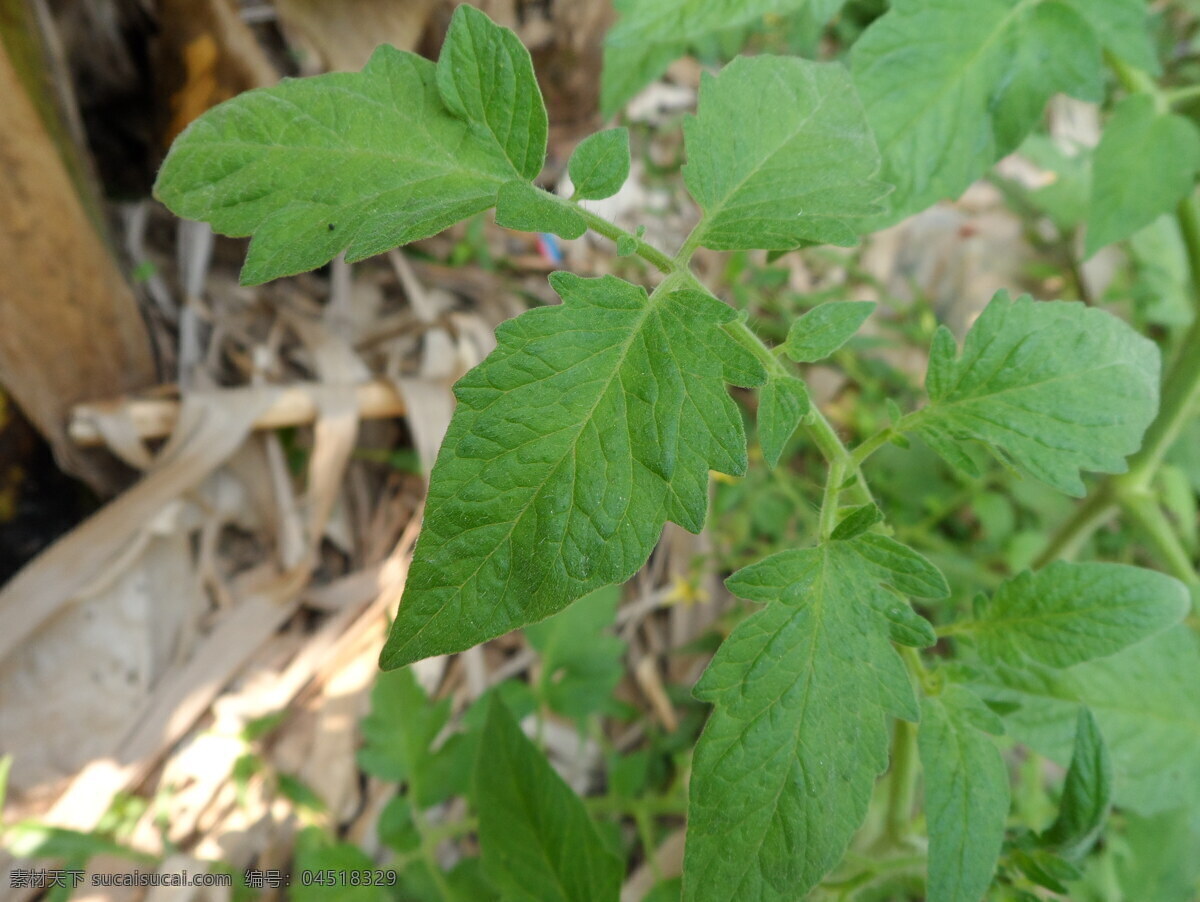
[(1158, 531), (1135, 81), (1181, 96), (871, 445), (1069, 538), (874, 870), (902, 784), (613, 232), (652, 805), (819, 429), (690, 243), (829, 499), (428, 850)]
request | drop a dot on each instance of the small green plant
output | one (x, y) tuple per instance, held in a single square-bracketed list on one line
[(596, 421)]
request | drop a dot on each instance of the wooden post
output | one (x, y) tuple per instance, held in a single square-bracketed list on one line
[(70, 328)]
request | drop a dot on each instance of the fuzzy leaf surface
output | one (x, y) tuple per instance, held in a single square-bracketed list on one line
[(399, 735), (1056, 386), (580, 658), (966, 797), (1121, 27), (856, 522), (351, 161), (803, 692), (591, 424), (1145, 701), (537, 840), (782, 403), (780, 154), (824, 329), (1069, 613), (485, 76), (521, 206), (599, 166), (1145, 163), (648, 37), (1087, 793), (951, 87)]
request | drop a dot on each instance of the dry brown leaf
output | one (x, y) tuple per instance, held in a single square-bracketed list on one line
[(210, 429), (340, 35), (207, 55)]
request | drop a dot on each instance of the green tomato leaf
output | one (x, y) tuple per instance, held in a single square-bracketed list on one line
[(802, 692), (899, 566), (905, 626), (966, 797), (782, 405), (1057, 52), (357, 162), (1145, 164), (779, 154), (1056, 386), (581, 661), (1143, 698), (537, 840), (591, 424), (949, 88), (317, 853), (858, 521), (824, 329), (485, 76), (1087, 793), (648, 37), (1046, 869), (1069, 613), (399, 735), (521, 206), (1122, 28), (600, 164)]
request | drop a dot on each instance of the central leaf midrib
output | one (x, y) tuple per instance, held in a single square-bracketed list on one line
[(954, 80), (815, 613), (712, 214), (931, 409), (639, 324)]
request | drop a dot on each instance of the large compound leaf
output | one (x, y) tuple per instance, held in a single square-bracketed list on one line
[(589, 426), (1145, 164), (802, 692), (1070, 613), (1056, 386), (779, 153), (966, 796), (951, 87), (537, 840), (1145, 701), (357, 162), (648, 37), (485, 76)]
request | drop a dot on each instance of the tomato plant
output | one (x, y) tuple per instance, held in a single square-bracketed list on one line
[(598, 420)]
